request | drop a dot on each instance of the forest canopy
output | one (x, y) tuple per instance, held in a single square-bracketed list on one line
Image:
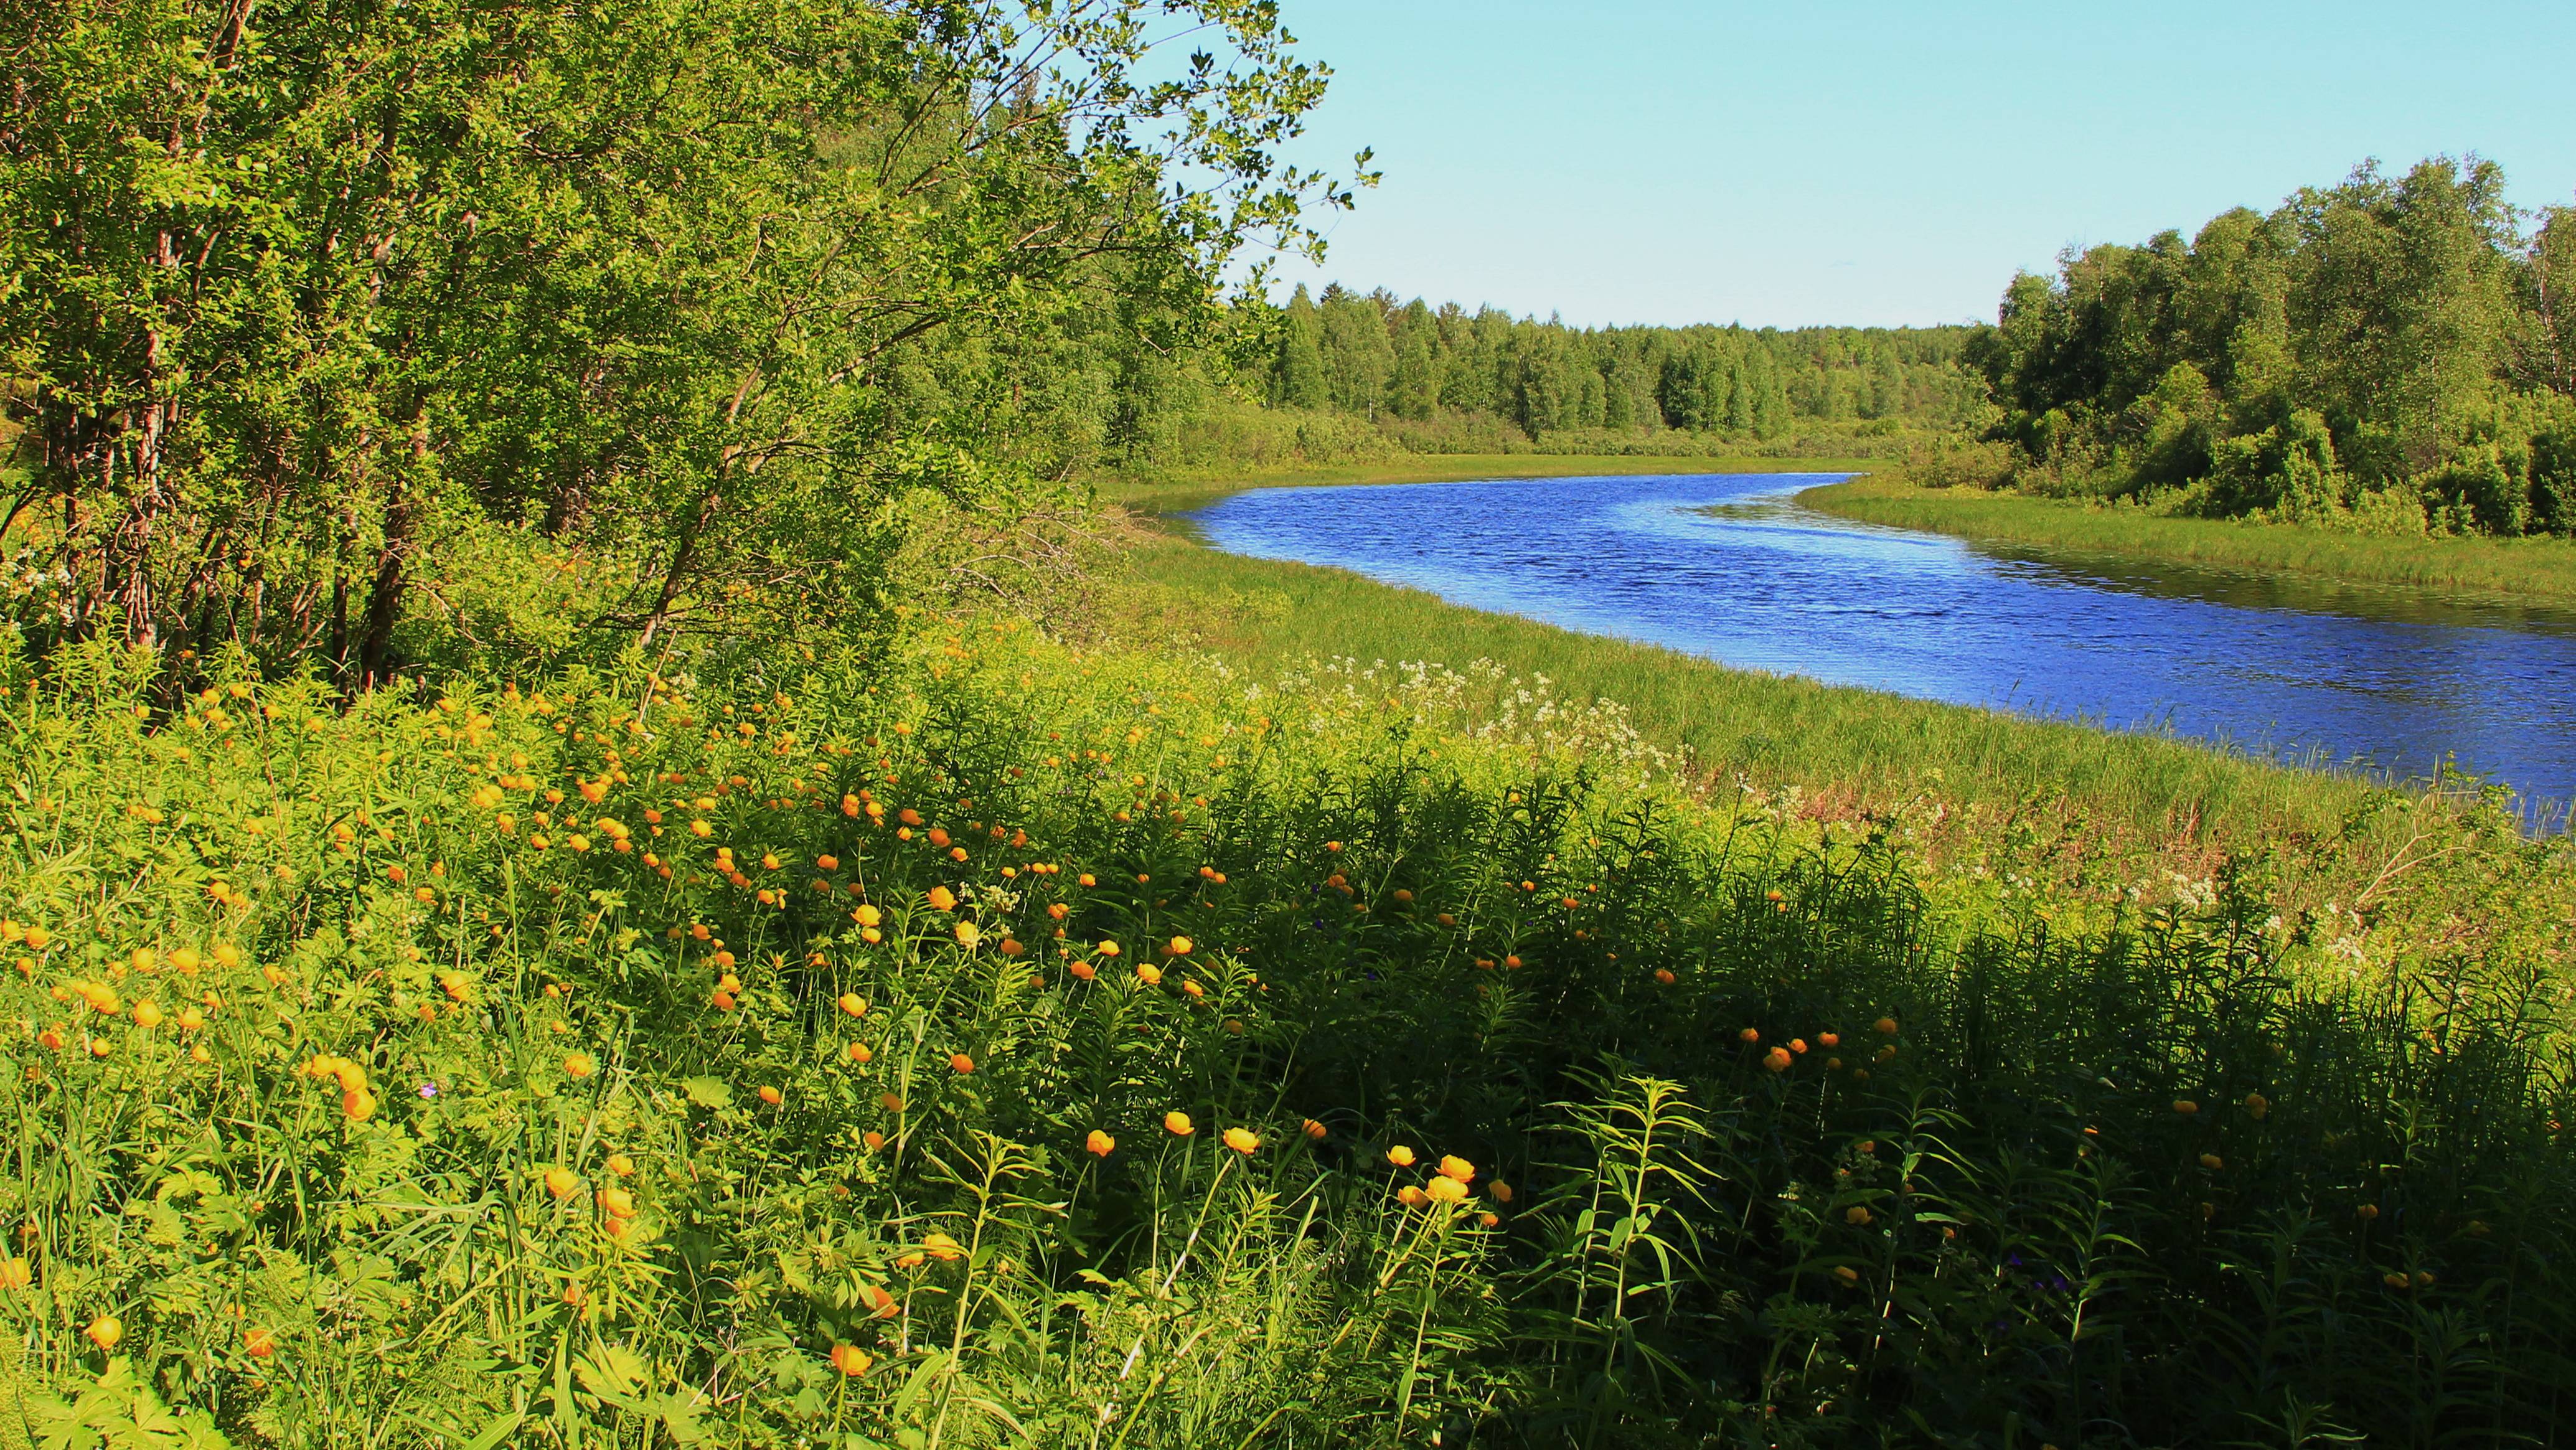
[(2395, 353)]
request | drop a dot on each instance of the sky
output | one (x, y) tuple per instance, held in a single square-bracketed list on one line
[(1794, 162)]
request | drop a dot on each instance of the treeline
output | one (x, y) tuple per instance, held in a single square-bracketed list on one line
[(1426, 371), (2392, 354)]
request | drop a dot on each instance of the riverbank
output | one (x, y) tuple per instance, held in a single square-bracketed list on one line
[(2488, 568), (1845, 752), (1181, 493)]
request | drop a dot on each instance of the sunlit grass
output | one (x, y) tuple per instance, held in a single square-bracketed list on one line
[(1197, 490), (2535, 568), (1850, 748)]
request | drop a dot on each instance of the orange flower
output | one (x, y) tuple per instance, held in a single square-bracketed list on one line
[(579, 1064), (1447, 1190), (621, 1165), (1886, 1026), (1400, 1156), (942, 899), (259, 1343), (1149, 974), (1748, 1035), (1501, 1191), (1458, 1168), (563, 1183), (1665, 976), (850, 1361), (771, 1095), (105, 1331), (2185, 1106), (860, 1053), (1777, 1059), (873, 1139), (1107, 949), (1314, 1130), (1178, 946), (15, 1273), (854, 1004), (1411, 1197), (880, 1301), (1100, 1144), (1242, 1140), (1177, 1124), (618, 1202), (961, 1063)]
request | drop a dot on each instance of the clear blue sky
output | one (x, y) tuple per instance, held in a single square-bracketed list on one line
[(1626, 161)]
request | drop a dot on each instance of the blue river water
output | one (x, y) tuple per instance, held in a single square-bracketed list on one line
[(1729, 567)]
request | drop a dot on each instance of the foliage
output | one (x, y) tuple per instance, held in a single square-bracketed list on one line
[(2385, 344), (300, 300), (644, 1058)]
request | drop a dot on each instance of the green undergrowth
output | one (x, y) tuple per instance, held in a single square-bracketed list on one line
[(2532, 569), (972, 1040)]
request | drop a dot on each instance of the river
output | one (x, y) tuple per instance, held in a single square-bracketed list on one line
[(1729, 567)]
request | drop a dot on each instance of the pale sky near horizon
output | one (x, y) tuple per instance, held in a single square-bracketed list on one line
[(1864, 162)]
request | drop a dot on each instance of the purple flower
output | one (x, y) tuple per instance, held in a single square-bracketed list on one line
[(429, 1090)]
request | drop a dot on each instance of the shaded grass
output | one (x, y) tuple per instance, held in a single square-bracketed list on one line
[(1847, 748), (1180, 493), (2522, 568)]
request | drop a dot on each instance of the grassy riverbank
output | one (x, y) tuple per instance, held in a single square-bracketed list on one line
[(1179, 493), (2528, 569), (1847, 750)]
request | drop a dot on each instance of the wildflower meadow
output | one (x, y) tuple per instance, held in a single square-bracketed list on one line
[(964, 1040)]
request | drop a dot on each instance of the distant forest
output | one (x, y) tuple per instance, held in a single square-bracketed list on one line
[(1351, 374), (1373, 356)]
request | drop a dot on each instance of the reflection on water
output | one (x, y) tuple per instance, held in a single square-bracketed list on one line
[(1727, 567)]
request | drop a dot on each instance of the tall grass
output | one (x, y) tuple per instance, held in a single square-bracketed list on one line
[(2530, 568), (644, 1060), (1849, 749)]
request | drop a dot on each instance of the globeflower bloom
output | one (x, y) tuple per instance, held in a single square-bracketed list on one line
[(1400, 1156), (1242, 1140), (1457, 1168), (1100, 1144), (1446, 1190), (1178, 1124)]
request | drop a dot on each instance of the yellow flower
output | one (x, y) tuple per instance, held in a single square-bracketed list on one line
[(1400, 1156), (579, 1064), (1149, 974), (1242, 1140), (1446, 1190), (618, 1202), (1458, 1168), (854, 1004), (105, 1331), (942, 899), (850, 1361), (147, 1015), (562, 1182), (1100, 1143), (967, 935), (621, 1165), (1178, 1124), (2212, 1162), (15, 1273), (1412, 1197), (1178, 946)]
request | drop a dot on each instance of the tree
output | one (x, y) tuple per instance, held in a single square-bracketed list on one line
[(303, 296)]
